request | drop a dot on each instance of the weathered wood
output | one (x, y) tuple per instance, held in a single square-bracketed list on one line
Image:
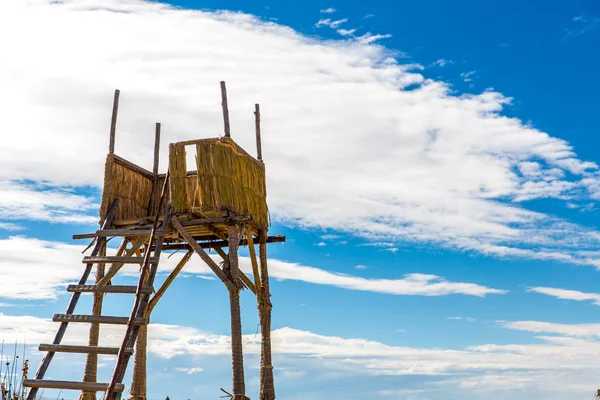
[(133, 167), (113, 232), (243, 276), (45, 363), (161, 291), (225, 109), (115, 267), (220, 243), (147, 275), (107, 289), (113, 122), (257, 128), (237, 353), (66, 348), (205, 257), (115, 259), (69, 385), (267, 384), (254, 261), (156, 148), (100, 319)]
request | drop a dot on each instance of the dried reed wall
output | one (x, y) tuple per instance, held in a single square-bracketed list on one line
[(133, 189)]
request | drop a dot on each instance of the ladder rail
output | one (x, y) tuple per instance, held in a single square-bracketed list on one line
[(45, 363), (141, 300)]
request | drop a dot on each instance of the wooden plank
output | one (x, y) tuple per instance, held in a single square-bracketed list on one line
[(100, 319), (66, 348), (115, 259), (113, 232), (220, 243), (108, 289), (70, 385)]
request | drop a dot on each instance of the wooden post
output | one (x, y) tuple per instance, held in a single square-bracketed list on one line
[(156, 148), (267, 385), (239, 385), (257, 127), (152, 202), (225, 109), (113, 122)]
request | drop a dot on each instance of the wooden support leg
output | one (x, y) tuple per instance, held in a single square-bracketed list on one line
[(267, 384), (239, 385), (138, 384)]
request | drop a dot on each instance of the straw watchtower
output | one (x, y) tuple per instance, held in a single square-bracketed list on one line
[(219, 205)]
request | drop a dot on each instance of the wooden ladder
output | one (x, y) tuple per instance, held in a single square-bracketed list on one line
[(142, 291)]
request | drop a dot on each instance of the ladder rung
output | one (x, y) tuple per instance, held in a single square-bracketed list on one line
[(70, 385), (116, 232), (100, 319), (108, 289), (117, 260), (66, 348)]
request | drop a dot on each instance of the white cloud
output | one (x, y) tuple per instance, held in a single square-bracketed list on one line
[(567, 294), (333, 24), (34, 201), (421, 165), (468, 319), (467, 76), (54, 264), (556, 367), (190, 371), (346, 32), (442, 62), (329, 10), (8, 226), (361, 267)]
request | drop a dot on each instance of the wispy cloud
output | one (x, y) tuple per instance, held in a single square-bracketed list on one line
[(467, 319), (567, 294), (581, 24), (330, 23), (329, 10), (467, 76), (442, 62)]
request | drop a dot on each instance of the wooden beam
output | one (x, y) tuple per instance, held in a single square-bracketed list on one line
[(225, 109), (220, 243), (129, 289), (205, 257), (113, 232), (257, 128), (113, 122), (100, 319), (115, 267), (243, 276), (116, 259), (154, 300), (66, 348), (69, 385)]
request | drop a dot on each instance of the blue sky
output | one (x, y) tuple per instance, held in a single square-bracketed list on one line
[(432, 164)]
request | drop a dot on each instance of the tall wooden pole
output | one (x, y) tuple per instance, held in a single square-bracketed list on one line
[(239, 385), (267, 384), (257, 127), (225, 109), (113, 122), (156, 148)]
